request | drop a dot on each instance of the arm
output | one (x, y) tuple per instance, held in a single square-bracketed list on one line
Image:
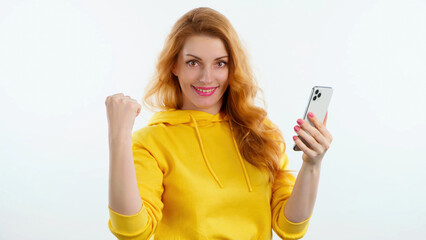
[(293, 199), (301, 203), (124, 195), (136, 188), (282, 190)]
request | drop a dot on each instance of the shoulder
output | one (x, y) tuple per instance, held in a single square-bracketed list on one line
[(147, 133), (268, 122), (276, 133)]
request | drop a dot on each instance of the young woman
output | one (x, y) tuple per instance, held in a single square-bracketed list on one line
[(210, 165)]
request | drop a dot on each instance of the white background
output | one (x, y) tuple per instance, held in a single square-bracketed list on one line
[(59, 60)]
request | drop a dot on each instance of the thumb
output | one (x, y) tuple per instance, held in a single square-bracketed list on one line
[(325, 119)]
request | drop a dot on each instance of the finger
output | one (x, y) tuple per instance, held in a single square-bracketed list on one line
[(139, 108), (313, 131), (124, 97), (118, 94), (311, 142), (319, 126), (325, 119), (302, 146)]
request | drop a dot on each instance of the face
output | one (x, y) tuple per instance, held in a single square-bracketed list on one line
[(202, 70)]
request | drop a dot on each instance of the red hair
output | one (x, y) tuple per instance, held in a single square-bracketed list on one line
[(259, 141)]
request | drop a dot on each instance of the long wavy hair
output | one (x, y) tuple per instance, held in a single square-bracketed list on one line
[(260, 142)]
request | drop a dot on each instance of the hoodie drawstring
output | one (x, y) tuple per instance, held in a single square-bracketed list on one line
[(204, 154), (241, 159), (208, 163)]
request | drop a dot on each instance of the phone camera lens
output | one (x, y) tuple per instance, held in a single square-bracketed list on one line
[(315, 98), (319, 95), (317, 91)]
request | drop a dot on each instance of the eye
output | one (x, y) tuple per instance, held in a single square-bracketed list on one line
[(221, 64), (192, 63)]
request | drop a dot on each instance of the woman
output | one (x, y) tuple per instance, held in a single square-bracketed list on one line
[(210, 165)]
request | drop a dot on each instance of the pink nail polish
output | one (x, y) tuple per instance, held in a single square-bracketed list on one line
[(311, 114), (294, 138), (300, 121), (296, 128)]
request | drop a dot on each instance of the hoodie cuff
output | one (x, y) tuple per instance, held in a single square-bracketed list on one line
[(128, 225), (290, 229)]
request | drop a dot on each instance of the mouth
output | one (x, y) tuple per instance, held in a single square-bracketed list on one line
[(204, 91)]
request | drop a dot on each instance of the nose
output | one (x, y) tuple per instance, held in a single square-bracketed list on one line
[(207, 75)]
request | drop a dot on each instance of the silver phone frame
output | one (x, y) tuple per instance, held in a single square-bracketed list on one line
[(295, 147)]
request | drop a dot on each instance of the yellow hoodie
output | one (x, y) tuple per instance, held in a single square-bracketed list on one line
[(194, 184)]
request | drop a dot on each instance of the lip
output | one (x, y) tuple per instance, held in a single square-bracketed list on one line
[(204, 88)]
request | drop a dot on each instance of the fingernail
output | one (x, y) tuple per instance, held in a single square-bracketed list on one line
[(311, 114), (300, 121), (294, 138), (296, 128)]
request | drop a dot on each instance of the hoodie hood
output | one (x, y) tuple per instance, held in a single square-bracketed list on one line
[(198, 119), (175, 117)]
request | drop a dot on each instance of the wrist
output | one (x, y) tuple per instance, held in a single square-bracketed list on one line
[(312, 166), (119, 136)]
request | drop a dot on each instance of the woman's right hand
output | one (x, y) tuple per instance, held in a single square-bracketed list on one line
[(121, 112)]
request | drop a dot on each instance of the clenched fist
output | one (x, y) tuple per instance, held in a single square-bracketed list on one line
[(121, 112)]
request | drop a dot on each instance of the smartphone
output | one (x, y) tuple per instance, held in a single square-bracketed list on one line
[(318, 104)]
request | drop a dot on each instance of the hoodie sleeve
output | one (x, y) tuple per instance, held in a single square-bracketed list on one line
[(149, 176), (281, 191)]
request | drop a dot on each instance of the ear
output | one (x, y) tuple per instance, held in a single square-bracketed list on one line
[(174, 70)]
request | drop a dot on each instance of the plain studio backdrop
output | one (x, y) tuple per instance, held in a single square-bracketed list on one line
[(59, 60)]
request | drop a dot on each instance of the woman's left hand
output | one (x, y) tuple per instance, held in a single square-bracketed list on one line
[(319, 141)]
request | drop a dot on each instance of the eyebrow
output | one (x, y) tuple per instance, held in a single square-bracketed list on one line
[(201, 59)]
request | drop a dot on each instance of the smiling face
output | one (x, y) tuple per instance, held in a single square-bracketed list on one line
[(202, 70)]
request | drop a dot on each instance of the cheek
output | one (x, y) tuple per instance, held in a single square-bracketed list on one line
[(190, 76), (223, 77)]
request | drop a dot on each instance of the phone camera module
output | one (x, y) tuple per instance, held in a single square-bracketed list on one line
[(317, 95)]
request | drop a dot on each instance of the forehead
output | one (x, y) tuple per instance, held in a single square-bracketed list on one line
[(203, 46)]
